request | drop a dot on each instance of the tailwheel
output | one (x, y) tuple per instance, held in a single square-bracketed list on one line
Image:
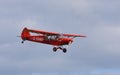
[(54, 49), (22, 42), (64, 50)]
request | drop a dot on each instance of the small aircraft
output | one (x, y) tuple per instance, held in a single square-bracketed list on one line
[(58, 40)]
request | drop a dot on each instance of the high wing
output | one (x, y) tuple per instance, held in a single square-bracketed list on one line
[(74, 35), (54, 34)]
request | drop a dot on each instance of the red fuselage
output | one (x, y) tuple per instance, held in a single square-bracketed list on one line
[(49, 40)]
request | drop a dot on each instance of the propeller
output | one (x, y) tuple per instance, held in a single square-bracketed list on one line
[(70, 43)]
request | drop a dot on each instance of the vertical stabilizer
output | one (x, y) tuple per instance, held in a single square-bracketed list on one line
[(25, 34)]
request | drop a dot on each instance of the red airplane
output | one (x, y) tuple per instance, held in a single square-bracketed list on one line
[(58, 40)]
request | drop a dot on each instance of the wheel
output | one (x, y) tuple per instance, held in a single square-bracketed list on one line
[(64, 50), (22, 42), (54, 49)]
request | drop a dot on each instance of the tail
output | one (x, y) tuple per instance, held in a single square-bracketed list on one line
[(25, 34)]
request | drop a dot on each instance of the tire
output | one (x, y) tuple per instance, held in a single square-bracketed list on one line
[(64, 50), (54, 49), (22, 42)]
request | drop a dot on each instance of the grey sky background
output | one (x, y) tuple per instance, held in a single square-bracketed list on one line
[(98, 54)]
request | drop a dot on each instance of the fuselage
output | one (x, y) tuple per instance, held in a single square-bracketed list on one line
[(49, 40)]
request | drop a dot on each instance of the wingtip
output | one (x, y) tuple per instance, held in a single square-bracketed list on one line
[(82, 35)]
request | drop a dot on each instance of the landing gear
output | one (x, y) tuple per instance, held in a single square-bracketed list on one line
[(22, 42), (56, 48), (64, 50)]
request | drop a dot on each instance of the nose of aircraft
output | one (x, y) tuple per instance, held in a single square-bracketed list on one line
[(70, 41)]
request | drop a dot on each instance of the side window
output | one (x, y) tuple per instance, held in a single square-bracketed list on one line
[(49, 37), (52, 37)]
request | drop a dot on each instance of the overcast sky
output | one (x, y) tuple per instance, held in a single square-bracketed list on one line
[(98, 54)]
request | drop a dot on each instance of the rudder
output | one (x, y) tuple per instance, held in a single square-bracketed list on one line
[(25, 34)]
